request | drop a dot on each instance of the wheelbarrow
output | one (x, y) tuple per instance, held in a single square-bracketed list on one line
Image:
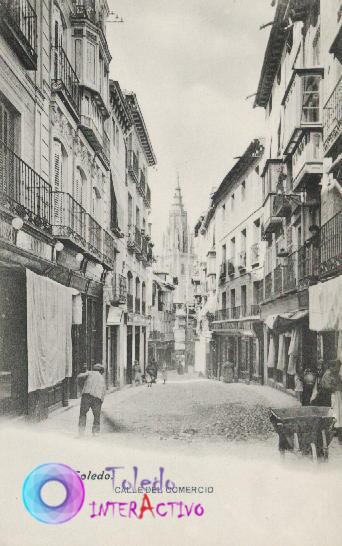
[(307, 430)]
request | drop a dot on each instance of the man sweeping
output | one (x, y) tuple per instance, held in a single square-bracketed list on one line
[(93, 394)]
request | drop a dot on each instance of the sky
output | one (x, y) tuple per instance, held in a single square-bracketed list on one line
[(191, 63)]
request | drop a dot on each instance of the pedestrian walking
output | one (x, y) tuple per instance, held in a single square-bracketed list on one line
[(137, 373), (164, 372), (92, 397), (151, 373)]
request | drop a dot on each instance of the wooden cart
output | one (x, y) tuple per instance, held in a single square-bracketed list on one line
[(307, 430)]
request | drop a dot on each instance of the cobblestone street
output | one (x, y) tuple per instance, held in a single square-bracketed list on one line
[(186, 409)]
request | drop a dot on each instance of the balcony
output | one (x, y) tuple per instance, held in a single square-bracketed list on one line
[(223, 271), (302, 105), (65, 81), (141, 186), (18, 23), (235, 312), (308, 263), (276, 207), (242, 261), (255, 254), (137, 305), (332, 122), (307, 161), (130, 303), (231, 267), (268, 284), (109, 249), (119, 285), (133, 165), (147, 199), (97, 139), (95, 235), (222, 314), (69, 220), (137, 239), (290, 272), (273, 177), (255, 310), (331, 247), (23, 192)]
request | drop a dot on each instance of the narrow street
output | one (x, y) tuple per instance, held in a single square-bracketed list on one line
[(186, 409)]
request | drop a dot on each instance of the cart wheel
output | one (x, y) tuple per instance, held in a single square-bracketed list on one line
[(325, 445), (313, 451)]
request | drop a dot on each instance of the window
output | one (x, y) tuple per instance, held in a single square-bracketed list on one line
[(256, 231), (232, 297), (79, 187), (182, 269), (243, 240), (224, 253), (137, 217), (310, 99), (279, 138), (115, 130), (316, 54), (114, 224), (91, 63), (243, 299), (232, 248), (279, 75), (78, 57), (130, 210), (224, 300), (243, 190)]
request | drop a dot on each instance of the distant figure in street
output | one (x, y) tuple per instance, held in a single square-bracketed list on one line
[(137, 373), (93, 394), (164, 372), (151, 373)]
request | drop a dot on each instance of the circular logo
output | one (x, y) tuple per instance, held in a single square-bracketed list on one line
[(53, 472)]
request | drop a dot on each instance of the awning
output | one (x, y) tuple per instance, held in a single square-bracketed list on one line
[(325, 305), (285, 321), (114, 316)]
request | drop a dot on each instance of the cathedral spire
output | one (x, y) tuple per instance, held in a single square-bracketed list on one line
[(177, 198)]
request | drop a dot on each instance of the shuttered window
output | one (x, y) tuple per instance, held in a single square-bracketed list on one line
[(6, 149), (114, 221)]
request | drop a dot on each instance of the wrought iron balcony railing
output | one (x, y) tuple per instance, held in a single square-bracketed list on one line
[(69, 219), (235, 312), (119, 285), (308, 263), (331, 246), (133, 165), (23, 191), (108, 249), (137, 238), (148, 196), (18, 22), (223, 271), (332, 119), (65, 79), (142, 184), (95, 234)]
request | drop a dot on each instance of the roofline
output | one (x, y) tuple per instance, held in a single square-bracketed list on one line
[(138, 121), (274, 50), (252, 154), (114, 88)]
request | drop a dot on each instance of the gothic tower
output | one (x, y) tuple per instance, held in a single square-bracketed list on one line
[(177, 253)]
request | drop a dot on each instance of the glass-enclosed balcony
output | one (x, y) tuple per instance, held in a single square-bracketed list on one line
[(307, 161), (276, 207), (302, 105)]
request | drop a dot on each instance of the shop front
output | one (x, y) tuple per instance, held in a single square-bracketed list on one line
[(238, 350)]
